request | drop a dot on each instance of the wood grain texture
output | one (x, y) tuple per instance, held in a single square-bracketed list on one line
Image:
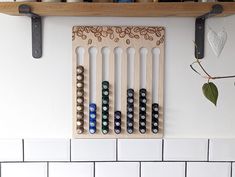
[(184, 9), (123, 37)]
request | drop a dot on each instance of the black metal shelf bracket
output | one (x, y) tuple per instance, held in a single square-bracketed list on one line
[(200, 29), (36, 30)]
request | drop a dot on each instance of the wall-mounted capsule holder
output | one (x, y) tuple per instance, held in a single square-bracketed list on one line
[(107, 103)]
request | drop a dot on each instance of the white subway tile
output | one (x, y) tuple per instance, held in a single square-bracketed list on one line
[(222, 150), (163, 169), (47, 150), (185, 149), (24, 170), (11, 150), (93, 149), (139, 149), (71, 169), (233, 170), (117, 169), (208, 169)]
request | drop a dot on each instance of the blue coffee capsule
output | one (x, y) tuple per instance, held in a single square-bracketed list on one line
[(92, 130), (92, 116), (92, 123), (92, 107)]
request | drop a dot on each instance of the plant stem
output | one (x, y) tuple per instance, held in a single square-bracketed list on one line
[(203, 69), (223, 77)]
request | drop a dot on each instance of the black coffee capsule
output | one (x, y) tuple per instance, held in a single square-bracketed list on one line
[(143, 107), (142, 129), (155, 107), (143, 93), (155, 129), (130, 130), (130, 108), (117, 115), (130, 93), (105, 85), (105, 100), (117, 129), (130, 101), (142, 123), (105, 92)]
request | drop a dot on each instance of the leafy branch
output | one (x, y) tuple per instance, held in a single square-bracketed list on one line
[(209, 89)]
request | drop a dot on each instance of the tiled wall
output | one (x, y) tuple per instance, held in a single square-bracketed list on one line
[(117, 158)]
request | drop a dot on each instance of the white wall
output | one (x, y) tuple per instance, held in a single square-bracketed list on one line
[(35, 95)]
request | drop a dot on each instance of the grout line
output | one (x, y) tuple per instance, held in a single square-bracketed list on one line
[(162, 149), (208, 150), (186, 169), (169, 161), (231, 173), (47, 169), (94, 170), (70, 152), (23, 148), (140, 168), (116, 149)]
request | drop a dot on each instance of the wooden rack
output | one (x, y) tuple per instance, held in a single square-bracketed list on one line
[(182, 9)]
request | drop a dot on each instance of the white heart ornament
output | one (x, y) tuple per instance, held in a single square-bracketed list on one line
[(217, 41)]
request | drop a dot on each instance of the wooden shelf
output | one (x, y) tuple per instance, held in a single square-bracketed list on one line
[(183, 9)]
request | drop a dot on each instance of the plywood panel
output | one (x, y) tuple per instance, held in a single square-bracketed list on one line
[(123, 37)]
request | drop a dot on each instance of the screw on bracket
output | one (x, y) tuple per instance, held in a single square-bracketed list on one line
[(200, 30), (36, 30)]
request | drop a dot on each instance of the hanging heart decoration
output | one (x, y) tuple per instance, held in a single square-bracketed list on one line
[(217, 41)]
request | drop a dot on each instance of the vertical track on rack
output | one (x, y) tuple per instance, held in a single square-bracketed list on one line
[(86, 89), (111, 89), (137, 58), (124, 87), (161, 90), (98, 83), (149, 67)]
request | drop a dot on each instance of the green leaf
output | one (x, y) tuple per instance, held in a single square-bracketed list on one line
[(210, 91)]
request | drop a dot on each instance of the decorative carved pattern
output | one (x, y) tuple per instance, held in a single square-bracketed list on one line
[(117, 33)]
